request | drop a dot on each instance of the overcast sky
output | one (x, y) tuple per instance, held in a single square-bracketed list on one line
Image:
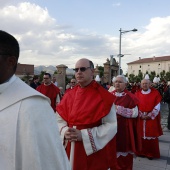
[(53, 32)]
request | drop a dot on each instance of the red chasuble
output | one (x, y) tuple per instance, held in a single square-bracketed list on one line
[(51, 91), (128, 137), (147, 102), (85, 108)]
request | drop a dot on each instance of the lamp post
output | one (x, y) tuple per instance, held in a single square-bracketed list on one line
[(120, 55)]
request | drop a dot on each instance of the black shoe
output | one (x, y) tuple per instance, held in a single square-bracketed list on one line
[(141, 156), (150, 158)]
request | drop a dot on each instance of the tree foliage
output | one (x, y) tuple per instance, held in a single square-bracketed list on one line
[(41, 75), (101, 70), (167, 77), (26, 77), (163, 76)]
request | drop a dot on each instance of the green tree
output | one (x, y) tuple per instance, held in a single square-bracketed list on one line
[(101, 70), (26, 77), (131, 78), (167, 77), (152, 75), (41, 75), (139, 77), (55, 72), (162, 75)]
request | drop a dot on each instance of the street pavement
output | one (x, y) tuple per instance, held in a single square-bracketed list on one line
[(164, 143)]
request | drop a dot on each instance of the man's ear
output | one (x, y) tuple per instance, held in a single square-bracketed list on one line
[(92, 71), (12, 61)]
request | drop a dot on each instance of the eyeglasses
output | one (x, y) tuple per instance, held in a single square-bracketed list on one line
[(82, 69), (118, 82), (45, 78)]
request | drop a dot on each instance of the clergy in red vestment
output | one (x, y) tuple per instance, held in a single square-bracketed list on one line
[(149, 110), (87, 122), (50, 90), (128, 140), (72, 85)]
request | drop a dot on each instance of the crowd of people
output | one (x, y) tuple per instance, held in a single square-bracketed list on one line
[(88, 128)]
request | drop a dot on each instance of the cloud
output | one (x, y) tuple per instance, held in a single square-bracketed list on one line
[(43, 41), (116, 4), (154, 41), (8, 2), (3, 3)]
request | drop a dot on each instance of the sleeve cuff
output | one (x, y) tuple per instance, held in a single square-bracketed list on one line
[(86, 142), (62, 132)]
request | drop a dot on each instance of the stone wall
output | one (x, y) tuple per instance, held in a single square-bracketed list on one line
[(60, 76)]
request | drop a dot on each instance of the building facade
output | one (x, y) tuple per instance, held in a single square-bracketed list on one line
[(157, 64), (24, 70)]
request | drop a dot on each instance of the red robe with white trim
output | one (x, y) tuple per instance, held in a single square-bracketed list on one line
[(51, 91), (85, 108), (128, 138), (147, 102)]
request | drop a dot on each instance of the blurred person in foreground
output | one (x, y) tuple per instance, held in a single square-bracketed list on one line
[(87, 122), (29, 137), (128, 140), (149, 111), (50, 90)]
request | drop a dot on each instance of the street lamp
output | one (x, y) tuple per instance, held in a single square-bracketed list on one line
[(121, 55)]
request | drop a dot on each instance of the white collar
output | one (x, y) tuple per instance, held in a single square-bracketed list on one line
[(6, 84), (120, 94), (146, 92)]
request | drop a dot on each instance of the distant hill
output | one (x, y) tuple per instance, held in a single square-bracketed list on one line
[(50, 69)]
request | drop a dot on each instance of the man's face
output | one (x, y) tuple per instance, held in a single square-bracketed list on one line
[(145, 84), (73, 82), (83, 72), (36, 80), (119, 84), (46, 80), (54, 79)]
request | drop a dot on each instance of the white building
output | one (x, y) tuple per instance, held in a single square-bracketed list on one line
[(157, 64)]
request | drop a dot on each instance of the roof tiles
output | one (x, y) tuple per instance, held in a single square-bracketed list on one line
[(149, 60)]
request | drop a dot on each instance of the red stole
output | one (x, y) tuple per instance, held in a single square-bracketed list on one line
[(81, 106), (51, 91), (84, 108), (147, 102), (128, 137)]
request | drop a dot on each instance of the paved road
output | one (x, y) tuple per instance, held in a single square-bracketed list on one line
[(164, 115), (164, 143)]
